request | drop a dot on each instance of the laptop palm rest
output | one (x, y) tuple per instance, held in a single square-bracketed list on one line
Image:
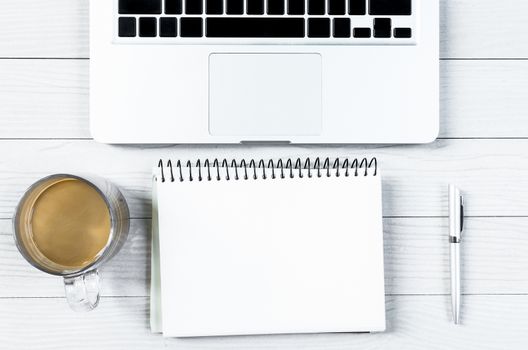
[(261, 95)]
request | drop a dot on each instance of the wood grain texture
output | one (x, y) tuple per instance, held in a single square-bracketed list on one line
[(468, 28), (413, 322), (483, 98), (483, 29), (49, 99), (480, 98), (52, 28), (44, 99), (492, 173), (495, 259), (127, 274)]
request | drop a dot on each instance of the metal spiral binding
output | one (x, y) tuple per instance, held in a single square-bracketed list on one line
[(224, 170)]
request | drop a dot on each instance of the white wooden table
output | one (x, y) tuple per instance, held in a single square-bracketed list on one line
[(483, 147)]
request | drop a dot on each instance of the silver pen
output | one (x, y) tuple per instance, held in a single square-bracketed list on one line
[(456, 222)]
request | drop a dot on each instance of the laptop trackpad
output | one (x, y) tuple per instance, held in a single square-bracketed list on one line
[(265, 94)]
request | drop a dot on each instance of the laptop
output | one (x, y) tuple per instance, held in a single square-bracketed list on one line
[(242, 71)]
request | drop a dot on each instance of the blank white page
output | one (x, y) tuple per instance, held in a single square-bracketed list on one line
[(298, 255)]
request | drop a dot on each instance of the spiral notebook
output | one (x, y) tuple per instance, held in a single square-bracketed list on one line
[(267, 247)]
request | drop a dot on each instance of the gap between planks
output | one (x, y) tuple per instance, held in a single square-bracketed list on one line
[(384, 217), (440, 58), (386, 295), (213, 144)]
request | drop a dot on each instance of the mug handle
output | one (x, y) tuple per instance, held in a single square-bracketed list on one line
[(82, 292)]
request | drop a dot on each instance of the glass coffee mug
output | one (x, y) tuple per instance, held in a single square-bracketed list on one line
[(69, 226)]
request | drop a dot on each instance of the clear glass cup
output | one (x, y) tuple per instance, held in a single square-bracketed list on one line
[(81, 285)]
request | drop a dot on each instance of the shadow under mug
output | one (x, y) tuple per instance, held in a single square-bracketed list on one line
[(81, 285)]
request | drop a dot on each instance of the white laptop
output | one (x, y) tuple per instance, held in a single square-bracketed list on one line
[(295, 71)]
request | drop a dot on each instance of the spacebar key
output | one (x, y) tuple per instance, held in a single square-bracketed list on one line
[(269, 27)]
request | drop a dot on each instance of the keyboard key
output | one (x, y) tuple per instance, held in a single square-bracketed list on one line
[(402, 32), (295, 7), (357, 7), (382, 27), (234, 7), (214, 7), (362, 33), (262, 27), (316, 7), (148, 27), (255, 7), (191, 27), (336, 7), (319, 28), (275, 7), (193, 7), (390, 7), (150, 7), (168, 27), (127, 27), (341, 27), (173, 7)]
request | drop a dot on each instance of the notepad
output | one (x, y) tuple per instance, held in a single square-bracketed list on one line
[(267, 247)]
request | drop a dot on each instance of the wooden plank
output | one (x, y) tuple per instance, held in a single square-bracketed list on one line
[(478, 99), (494, 255), (483, 99), (127, 274), (59, 28), (416, 260), (483, 29), (44, 99), (491, 172), (52, 28), (413, 322)]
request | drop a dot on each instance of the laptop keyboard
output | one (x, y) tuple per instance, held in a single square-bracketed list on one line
[(305, 21)]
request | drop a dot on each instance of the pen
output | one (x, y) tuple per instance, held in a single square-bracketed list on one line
[(456, 222)]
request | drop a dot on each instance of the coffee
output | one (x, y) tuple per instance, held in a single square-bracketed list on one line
[(70, 226), (70, 223)]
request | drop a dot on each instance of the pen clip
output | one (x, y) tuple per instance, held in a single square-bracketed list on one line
[(456, 214), (461, 215)]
